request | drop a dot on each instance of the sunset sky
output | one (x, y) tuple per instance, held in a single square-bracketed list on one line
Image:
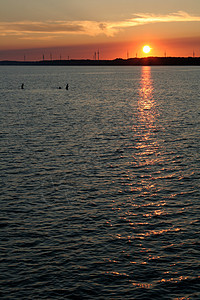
[(118, 28)]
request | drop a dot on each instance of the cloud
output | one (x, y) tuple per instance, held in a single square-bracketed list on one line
[(144, 19), (27, 29), (40, 27), (180, 16)]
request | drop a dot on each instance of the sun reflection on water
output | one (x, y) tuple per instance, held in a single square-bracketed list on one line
[(143, 226), (146, 103), (146, 127), (147, 148), (144, 175)]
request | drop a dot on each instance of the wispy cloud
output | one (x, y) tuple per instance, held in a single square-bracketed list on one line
[(52, 28), (144, 19)]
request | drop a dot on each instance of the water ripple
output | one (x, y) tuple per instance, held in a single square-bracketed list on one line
[(100, 185)]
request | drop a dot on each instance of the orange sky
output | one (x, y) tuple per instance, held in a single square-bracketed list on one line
[(116, 28)]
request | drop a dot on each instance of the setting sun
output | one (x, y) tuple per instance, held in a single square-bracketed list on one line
[(146, 49)]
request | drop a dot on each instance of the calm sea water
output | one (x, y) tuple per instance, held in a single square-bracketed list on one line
[(100, 183)]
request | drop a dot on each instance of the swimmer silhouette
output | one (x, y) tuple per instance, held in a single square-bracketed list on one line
[(22, 86), (59, 88), (67, 86)]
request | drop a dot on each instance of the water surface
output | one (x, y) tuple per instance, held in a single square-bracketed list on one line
[(100, 183)]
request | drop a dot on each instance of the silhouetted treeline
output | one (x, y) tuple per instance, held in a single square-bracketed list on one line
[(148, 61)]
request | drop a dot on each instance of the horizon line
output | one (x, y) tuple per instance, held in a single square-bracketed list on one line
[(135, 61), (89, 59)]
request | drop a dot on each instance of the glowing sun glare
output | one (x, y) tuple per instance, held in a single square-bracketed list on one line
[(146, 49)]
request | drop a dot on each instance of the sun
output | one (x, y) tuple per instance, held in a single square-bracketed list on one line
[(146, 49)]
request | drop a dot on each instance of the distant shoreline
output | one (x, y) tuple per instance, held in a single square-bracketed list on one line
[(147, 61)]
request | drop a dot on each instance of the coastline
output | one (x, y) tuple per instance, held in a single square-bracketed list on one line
[(147, 61)]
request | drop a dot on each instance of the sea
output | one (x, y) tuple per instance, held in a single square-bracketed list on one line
[(100, 183)]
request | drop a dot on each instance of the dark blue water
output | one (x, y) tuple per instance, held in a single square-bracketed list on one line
[(100, 183)]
